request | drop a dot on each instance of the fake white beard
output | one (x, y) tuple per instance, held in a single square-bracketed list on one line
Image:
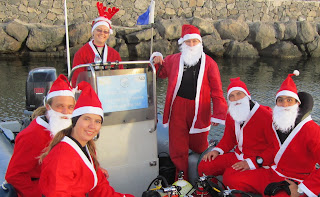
[(240, 109), (285, 117), (191, 55), (56, 122)]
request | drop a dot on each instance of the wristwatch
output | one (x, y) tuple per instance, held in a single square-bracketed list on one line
[(259, 161)]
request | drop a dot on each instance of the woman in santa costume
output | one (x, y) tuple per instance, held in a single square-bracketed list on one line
[(294, 172), (247, 132), (193, 82), (97, 50), (24, 169), (70, 166)]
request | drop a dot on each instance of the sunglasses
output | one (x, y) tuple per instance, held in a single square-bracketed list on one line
[(101, 31)]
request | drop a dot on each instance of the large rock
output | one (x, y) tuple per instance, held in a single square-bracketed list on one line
[(283, 49), (213, 45), (206, 26), (232, 29), (306, 32), (171, 29), (140, 36), (7, 43), (290, 31), (314, 47), (17, 30), (43, 37), (241, 49), (280, 29), (261, 35), (79, 33)]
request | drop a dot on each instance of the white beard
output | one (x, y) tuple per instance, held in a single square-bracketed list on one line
[(191, 55), (56, 122), (284, 117), (240, 109)]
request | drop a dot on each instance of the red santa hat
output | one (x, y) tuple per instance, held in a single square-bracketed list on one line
[(104, 17), (288, 87), (60, 87), (189, 32), (88, 102), (237, 84)]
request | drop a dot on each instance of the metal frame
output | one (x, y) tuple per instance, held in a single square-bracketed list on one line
[(108, 64)]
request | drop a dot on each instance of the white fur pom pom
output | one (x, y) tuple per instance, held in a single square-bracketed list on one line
[(296, 72)]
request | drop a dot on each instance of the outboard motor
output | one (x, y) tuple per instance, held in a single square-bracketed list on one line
[(38, 84)]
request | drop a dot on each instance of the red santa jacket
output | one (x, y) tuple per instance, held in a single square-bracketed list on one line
[(24, 169), (209, 87), (254, 138), (298, 155), (66, 171), (86, 55)]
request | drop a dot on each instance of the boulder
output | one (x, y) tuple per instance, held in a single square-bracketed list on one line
[(313, 47), (7, 43), (232, 29), (241, 49), (290, 31), (17, 30), (206, 26), (261, 35), (79, 33), (171, 29), (283, 49), (306, 32), (140, 36), (43, 37), (213, 45)]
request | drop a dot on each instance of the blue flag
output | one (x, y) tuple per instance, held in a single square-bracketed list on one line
[(143, 19)]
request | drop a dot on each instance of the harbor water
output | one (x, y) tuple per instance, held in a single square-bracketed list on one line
[(263, 77)]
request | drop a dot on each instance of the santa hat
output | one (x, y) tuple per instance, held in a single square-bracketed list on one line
[(88, 102), (237, 84), (288, 87), (104, 17), (189, 32), (60, 87)]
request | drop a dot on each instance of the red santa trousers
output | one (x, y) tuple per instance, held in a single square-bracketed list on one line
[(253, 181), (182, 114), (218, 165)]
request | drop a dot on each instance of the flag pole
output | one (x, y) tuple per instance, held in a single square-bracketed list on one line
[(151, 21), (67, 35)]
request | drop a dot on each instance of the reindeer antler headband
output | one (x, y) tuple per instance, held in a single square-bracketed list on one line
[(104, 16)]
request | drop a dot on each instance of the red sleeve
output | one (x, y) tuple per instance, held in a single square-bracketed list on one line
[(103, 188), (79, 58), (228, 140), (219, 106), (24, 164)]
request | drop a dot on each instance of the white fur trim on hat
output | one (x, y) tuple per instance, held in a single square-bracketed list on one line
[(105, 23), (240, 89), (188, 37), (88, 110), (60, 93), (288, 93)]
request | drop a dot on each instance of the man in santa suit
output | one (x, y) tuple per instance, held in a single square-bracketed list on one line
[(24, 170), (97, 50), (247, 130), (193, 82), (294, 172)]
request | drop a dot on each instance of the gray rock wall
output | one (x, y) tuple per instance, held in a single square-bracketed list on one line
[(51, 12), (231, 28)]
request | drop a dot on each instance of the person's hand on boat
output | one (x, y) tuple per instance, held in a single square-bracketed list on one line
[(210, 156), (241, 166), (158, 60), (105, 172)]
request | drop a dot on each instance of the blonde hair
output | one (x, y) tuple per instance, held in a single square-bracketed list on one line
[(38, 112), (67, 132)]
